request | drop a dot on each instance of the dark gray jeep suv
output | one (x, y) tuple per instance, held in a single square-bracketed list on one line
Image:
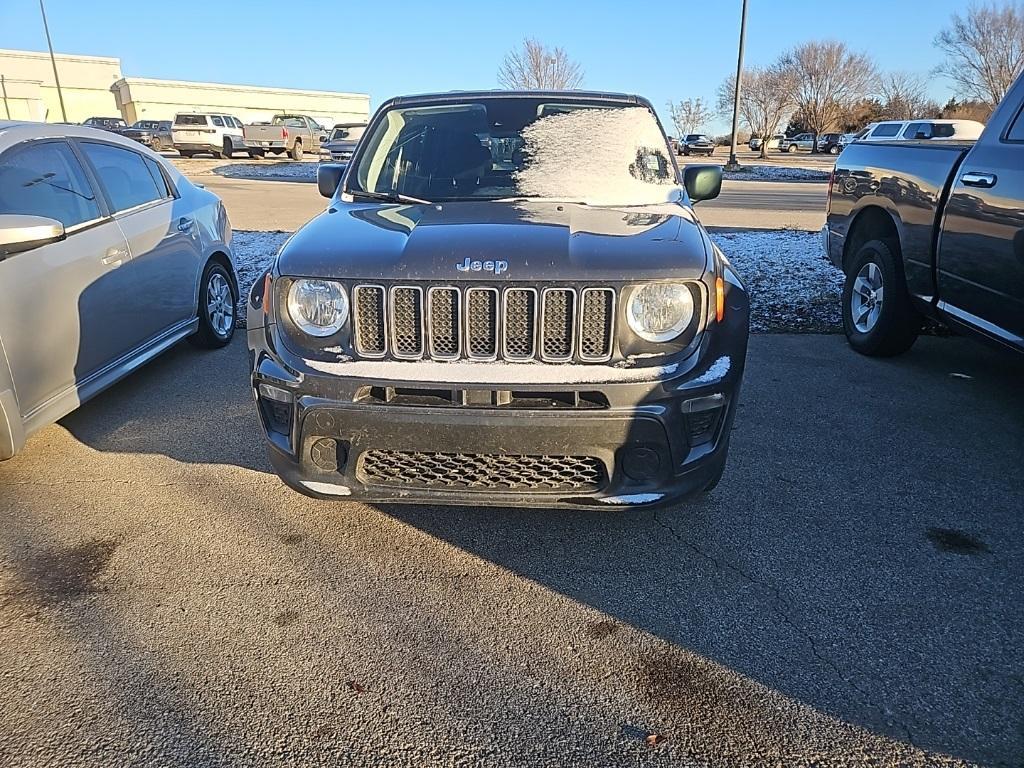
[(495, 308)]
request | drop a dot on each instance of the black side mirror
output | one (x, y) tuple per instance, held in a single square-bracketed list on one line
[(702, 182), (329, 176)]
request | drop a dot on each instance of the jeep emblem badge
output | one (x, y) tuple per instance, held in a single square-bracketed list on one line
[(497, 267)]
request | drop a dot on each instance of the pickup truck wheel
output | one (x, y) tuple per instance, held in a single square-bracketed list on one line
[(216, 309), (296, 153), (878, 317)]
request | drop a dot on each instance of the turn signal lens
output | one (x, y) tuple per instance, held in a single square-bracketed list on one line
[(719, 299)]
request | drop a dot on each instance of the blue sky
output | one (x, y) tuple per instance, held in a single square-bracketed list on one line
[(662, 50)]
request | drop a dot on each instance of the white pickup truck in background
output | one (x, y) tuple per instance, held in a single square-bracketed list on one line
[(294, 134)]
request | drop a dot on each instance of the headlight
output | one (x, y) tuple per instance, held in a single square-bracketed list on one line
[(318, 307), (659, 311)]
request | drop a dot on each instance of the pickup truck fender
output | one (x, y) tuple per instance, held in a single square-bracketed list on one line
[(12, 429)]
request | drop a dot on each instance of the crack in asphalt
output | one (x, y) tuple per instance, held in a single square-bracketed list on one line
[(780, 607)]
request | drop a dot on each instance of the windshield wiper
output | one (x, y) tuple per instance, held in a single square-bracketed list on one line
[(388, 197)]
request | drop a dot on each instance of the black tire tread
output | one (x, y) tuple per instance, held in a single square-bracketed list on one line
[(898, 323)]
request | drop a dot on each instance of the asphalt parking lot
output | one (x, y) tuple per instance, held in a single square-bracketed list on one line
[(849, 595)]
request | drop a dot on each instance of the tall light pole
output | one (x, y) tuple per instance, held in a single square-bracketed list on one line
[(53, 61), (733, 164)]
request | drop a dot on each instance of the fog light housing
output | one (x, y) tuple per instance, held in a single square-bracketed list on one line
[(702, 417), (641, 463), (328, 455), (276, 406)]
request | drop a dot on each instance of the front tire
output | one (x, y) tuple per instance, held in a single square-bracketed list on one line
[(833, 150), (791, 149), (878, 318), (216, 308)]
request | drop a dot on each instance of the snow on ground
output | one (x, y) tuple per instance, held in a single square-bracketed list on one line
[(268, 169), (792, 286), (776, 173), (253, 253)]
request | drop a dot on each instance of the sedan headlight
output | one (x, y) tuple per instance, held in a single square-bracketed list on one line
[(659, 311), (318, 307)]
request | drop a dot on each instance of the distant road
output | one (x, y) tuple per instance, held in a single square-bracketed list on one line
[(757, 204)]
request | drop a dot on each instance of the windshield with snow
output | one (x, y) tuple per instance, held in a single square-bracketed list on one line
[(490, 149)]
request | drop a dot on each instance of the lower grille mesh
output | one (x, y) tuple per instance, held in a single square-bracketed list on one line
[(482, 472)]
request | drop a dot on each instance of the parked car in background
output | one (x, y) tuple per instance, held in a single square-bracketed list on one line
[(673, 144), (932, 229), (830, 143), (294, 134), (846, 139), (112, 124), (196, 133), (697, 144), (108, 256), (341, 143), (773, 142), (155, 134), (917, 130), (803, 142), (399, 345)]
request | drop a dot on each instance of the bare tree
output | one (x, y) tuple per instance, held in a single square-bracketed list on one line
[(688, 116), (904, 96), (766, 100), (829, 77), (535, 66), (984, 50)]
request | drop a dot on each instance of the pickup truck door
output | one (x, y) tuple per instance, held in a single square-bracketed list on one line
[(980, 256)]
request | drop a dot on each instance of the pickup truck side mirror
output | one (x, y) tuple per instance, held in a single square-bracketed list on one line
[(20, 233), (329, 176), (702, 182)]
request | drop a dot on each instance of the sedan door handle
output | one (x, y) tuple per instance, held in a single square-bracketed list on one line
[(115, 256), (983, 180), (185, 225)]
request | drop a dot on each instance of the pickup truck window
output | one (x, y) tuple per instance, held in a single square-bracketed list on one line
[(289, 121), (494, 148), (887, 130), (1016, 132)]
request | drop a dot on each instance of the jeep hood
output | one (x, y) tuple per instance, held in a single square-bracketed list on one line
[(538, 240)]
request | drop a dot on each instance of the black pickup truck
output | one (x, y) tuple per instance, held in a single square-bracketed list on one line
[(932, 229)]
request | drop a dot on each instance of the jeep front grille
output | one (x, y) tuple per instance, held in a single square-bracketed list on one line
[(481, 472), (555, 325)]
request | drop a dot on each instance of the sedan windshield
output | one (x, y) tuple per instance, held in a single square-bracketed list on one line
[(513, 148)]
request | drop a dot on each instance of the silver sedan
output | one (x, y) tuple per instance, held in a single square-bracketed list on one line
[(108, 256)]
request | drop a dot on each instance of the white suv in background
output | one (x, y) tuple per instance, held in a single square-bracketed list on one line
[(912, 130), (196, 132)]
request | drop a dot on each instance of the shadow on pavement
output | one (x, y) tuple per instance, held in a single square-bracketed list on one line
[(859, 556), (190, 405)]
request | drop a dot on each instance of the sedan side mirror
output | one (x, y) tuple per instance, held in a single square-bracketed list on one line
[(702, 182), (20, 233), (329, 176)]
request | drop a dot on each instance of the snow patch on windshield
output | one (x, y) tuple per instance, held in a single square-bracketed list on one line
[(598, 156)]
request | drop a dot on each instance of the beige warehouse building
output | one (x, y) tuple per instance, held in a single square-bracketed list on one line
[(94, 86), (140, 98)]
